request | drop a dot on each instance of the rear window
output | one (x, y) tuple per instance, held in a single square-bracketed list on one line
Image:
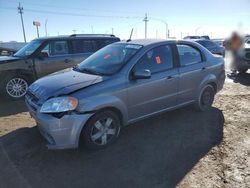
[(188, 55)]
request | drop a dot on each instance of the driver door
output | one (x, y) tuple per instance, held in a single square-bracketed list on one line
[(148, 96), (58, 57)]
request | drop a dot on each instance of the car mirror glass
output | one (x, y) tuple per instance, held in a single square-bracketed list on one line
[(43, 55), (141, 74)]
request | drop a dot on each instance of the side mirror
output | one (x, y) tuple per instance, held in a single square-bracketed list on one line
[(43, 55), (141, 74)]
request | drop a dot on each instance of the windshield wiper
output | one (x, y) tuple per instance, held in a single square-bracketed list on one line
[(88, 71)]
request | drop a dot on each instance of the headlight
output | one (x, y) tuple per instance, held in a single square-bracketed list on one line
[(59, 104)]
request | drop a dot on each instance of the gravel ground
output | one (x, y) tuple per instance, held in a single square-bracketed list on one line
[(182, 148)]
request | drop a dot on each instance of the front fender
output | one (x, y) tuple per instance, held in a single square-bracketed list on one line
[(99, 102)]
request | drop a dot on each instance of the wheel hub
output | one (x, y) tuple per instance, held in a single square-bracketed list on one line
[(17, 87)]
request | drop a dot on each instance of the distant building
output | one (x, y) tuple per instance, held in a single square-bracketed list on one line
[(12, 45)]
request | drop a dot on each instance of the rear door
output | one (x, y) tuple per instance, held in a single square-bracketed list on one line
[(192, 71), (148, 96), (82, 49), (59, 58)]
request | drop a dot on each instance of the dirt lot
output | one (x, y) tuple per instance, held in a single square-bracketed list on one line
[(182, 148)]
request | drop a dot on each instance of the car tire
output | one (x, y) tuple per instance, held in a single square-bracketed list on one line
[(14, 86), (101, 130), (205, 99)]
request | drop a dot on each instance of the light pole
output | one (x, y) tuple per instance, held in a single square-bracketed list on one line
[(196, 30), (166, 25), (145, 20), (37, 24)]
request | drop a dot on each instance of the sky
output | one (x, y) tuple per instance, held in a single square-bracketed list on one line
[(216, 18)]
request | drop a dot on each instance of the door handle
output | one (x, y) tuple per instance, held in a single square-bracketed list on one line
[(66, 61), (203, 68)]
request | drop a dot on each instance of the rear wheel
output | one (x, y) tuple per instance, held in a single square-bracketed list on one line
[(14, 86), (206, 98), (101, 130)]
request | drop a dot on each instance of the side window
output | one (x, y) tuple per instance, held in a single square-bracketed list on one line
[(156, 60), (188, 55), (56, 48), (83, 46)]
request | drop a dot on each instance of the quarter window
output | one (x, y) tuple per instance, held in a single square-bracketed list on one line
[(83, 46), (156, 60), (188, 55)]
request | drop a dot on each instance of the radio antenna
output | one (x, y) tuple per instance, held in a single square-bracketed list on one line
[(130, 35)]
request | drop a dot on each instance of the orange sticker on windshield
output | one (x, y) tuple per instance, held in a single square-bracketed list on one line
[(158, 59)]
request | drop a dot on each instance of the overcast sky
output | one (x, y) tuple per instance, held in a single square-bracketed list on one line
[(214, 17)]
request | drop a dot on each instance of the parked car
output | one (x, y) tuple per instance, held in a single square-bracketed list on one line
[(198, 37), (120, 84), (192, 37), (212, 46), (43, 56), (6, 51), (241, 60)]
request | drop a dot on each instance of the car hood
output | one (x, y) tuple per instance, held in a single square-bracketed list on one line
[(62, 83), (6, 59)]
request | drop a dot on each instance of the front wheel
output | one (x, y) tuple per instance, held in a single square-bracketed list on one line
[(14, 86), (101, 130), (205, 99)]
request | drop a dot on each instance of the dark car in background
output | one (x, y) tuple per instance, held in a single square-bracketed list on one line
[(44, 56), (212, 46)]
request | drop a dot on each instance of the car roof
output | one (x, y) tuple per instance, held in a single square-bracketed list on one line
[(197, 40), (146, 42), (79, 36)]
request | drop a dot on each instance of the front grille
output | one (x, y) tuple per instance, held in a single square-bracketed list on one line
[(32, 101)]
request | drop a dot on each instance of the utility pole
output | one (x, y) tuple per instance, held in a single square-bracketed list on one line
[(20, 11), (92, 29), (145, 20), (46, 32)]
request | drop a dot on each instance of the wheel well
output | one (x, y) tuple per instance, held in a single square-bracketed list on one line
[(213, 85), (115, 110)]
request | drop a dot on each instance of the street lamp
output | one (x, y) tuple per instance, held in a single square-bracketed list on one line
[(37, 24), (166, 25)]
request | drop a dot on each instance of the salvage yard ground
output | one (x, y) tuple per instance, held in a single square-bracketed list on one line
[(183, 148)]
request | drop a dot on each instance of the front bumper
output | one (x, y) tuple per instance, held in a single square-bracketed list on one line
[(60, 133)]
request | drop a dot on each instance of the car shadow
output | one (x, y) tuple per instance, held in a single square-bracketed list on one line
[(156, 152), (242, 78), (8, 107)]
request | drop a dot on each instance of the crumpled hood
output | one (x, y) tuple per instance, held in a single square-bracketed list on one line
[(6, 59), (62, 83)]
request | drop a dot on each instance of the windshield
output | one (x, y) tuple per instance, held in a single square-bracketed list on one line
[(28, 48), (109, 59)]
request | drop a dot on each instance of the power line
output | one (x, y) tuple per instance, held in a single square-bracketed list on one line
[(77, 14), (20, 11), (73, 8)]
